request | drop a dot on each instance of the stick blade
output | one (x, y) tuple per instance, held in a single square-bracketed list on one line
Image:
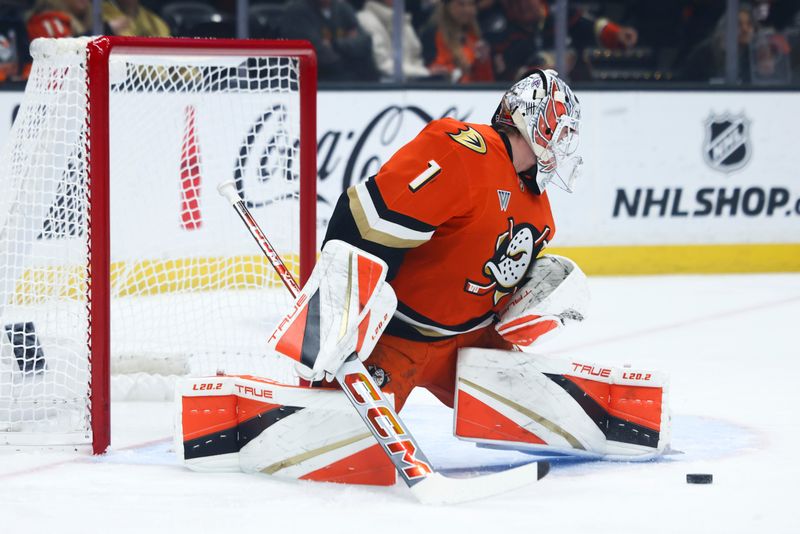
[(439, 489)]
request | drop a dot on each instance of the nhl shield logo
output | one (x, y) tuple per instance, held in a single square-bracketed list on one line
[(727, 145)]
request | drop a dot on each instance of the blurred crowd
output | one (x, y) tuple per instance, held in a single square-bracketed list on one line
[(454, 41)]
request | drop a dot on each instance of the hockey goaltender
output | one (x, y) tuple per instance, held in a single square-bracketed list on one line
[(432, 272)]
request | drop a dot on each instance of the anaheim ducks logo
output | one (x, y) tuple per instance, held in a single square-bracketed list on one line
[(470, 139), (514, 253)]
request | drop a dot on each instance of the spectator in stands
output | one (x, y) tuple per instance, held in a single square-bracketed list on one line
[(770, 55), (659, 24), (14, 57), (421, 12), (707, 61), (522, 35), (697, 23), (60, 18), (792, 33), (128, 17), (775, 46), (775, 14), (344, 50), (452, 42), (377, 20), (486, 9)]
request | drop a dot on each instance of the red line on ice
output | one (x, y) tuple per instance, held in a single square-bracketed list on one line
[(679, 324), (81, 458)]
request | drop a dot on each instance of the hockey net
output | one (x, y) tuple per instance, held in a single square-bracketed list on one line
[(114, 244)]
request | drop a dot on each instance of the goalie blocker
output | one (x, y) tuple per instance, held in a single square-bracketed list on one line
[(537, 403), (343, 309)]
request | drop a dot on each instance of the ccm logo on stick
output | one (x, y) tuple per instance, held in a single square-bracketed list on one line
[(387, 428), (361, 388), (416, 468), (379, 414)]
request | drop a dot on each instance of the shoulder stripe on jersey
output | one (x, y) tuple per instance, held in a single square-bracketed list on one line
[(388, 214), (342, 225), (378, 230), (430, 328)]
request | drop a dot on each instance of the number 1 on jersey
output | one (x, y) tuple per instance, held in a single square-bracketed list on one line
[(425, 176)]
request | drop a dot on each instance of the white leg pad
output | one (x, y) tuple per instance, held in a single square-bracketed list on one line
[(325, 431), (538, 403)]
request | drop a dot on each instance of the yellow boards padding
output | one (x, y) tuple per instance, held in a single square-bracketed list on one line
[(676, 259)]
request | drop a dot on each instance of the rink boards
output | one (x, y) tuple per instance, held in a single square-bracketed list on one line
[(676, 181)]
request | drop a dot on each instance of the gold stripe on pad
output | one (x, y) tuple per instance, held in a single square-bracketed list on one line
[(530, 414), (684, 259), (346, 311), (294, 460)]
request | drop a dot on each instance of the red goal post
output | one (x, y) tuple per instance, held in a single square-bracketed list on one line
[(245, 73)]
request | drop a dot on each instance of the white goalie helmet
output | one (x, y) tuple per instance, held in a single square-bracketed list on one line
[(547, 114)]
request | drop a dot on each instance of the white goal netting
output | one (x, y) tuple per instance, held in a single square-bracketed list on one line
[(190, 292)]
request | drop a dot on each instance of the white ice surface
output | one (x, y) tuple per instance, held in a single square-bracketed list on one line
[(728, 342)]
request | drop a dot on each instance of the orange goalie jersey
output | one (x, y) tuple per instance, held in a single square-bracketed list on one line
[(458, 229)]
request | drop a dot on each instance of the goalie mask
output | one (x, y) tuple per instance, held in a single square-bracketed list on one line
[(547, 115)]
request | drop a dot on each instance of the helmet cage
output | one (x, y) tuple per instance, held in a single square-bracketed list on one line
[(549, 121)]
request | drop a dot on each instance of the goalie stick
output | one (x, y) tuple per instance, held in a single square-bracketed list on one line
[(413, 466)]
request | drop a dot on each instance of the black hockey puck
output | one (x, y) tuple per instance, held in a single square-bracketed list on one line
[(699, 478)]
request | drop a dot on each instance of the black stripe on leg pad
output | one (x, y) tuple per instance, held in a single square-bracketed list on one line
[(614, 428), (234, 438), (253, 427), (311, 334)]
